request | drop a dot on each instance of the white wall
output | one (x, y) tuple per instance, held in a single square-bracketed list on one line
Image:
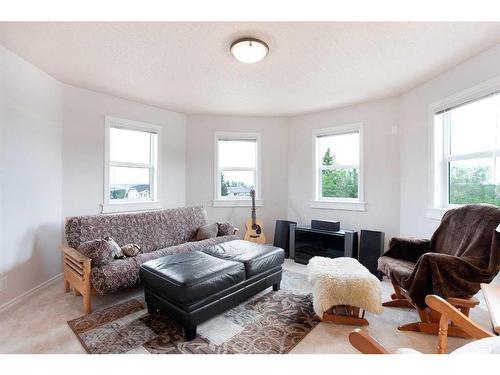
[(83, 148), (30, 175), (381, 166), (49, 171), (200, 167), (414, 136)]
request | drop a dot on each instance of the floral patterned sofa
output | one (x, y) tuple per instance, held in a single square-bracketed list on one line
[(158, 233)]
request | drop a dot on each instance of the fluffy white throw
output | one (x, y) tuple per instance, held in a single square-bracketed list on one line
[(343, 281)]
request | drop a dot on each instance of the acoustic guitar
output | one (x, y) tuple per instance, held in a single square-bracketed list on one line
[(254, 232)]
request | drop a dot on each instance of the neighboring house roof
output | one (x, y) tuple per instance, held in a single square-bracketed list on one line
[(238, 189), (140, 188)]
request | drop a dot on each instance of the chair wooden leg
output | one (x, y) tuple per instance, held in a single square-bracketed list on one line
[(443, 335), (410, 327), (424, 315), (433, 329), (397, 298), (431, 323), (430, 320)]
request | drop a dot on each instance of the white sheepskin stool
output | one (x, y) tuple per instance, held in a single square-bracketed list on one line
[(342, 289)]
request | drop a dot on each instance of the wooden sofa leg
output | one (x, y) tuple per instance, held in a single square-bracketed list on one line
[(87, 304), (67, 286), (87, 291)]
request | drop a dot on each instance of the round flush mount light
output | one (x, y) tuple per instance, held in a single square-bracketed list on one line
[(249, 50)]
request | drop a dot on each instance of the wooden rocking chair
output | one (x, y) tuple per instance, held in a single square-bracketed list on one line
[(429, 317), (462, 253), (447, 312)]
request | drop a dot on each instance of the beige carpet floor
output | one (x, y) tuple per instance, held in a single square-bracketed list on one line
[(38, 324)]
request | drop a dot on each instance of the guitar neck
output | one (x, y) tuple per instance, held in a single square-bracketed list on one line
[(254, 216)]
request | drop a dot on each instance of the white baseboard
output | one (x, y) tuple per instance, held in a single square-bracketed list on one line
[(29, 293)]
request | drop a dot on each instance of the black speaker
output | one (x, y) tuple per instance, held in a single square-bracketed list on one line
[(330, 225), (282, 235), (371, 247)]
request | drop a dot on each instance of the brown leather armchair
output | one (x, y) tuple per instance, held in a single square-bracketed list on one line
[(463, 252)]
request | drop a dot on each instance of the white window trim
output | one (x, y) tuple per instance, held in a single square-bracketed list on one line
[(437, 182), (349, 204), (111, 207), (243, 201)]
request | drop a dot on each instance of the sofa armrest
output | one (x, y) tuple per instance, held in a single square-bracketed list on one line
[(407, 248), (76, 271), (75, 254), (236, 231)]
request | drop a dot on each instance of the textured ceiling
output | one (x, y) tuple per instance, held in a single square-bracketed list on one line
[(187, 67)]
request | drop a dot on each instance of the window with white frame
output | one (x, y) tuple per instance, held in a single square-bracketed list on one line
[(237, 166), (337, 176), (467, 152), (131, 165)]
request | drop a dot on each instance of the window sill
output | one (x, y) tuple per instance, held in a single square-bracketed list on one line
[(130, 207), (339, 205), (435, 213), (236, 203)]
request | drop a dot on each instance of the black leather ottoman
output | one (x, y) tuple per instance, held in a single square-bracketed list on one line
[(257, 258), (193, 287)]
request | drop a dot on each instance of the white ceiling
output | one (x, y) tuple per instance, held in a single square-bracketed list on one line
[(187, 67)]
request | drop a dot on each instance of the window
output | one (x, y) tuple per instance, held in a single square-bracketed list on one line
[(237, 168), (467, 152), (337, 172), (131, 165)]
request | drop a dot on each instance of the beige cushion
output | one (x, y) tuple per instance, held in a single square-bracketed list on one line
[(406, 351), (490, 345), (131, 249), (207, 231)]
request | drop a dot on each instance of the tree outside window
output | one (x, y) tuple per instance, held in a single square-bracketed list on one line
[(470, 161), (338, 165)]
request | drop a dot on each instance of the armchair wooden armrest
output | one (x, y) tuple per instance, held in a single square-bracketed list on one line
[(365, 343), (368, 345), (76, 271), (449, 312)]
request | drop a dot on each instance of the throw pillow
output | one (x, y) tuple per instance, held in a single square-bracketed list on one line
[(131, 249), (117, 251), (207, 231), (99, 251)]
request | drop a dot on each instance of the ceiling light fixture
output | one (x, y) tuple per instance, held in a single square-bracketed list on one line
[(249, 50)]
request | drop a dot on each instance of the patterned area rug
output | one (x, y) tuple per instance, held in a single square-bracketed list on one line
[(270, 322)]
